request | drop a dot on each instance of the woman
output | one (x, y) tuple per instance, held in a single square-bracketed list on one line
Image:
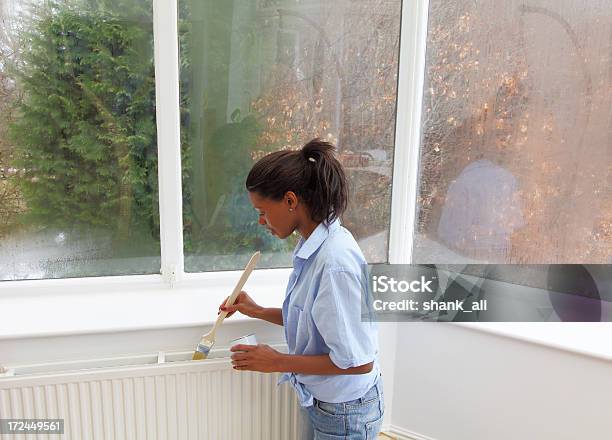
[(332, 359)]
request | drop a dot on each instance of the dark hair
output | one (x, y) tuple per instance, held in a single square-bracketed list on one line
[(312, 173)]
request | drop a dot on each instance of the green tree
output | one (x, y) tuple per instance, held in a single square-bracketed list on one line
[(86, 134)]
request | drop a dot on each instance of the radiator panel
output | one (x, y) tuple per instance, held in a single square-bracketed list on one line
[(182, 400)]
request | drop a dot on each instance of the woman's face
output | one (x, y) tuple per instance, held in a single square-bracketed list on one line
[(275, 215)]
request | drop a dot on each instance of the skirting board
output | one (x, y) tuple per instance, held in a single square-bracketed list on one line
[(397, 433)]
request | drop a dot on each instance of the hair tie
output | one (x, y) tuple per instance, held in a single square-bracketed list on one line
[(312, 159)]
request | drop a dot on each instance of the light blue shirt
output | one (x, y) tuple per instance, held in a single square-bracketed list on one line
[(322, 315)]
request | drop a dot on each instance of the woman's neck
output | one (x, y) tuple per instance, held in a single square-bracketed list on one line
[(306, 229)]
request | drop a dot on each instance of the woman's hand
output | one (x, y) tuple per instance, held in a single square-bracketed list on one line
[(259, 357), (243, 304)]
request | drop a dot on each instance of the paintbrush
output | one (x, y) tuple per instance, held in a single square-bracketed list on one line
[(208, 340)]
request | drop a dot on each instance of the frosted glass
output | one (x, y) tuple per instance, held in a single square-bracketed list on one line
[(516, 156)]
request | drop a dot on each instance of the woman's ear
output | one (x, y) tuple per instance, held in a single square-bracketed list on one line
[(291, 200)]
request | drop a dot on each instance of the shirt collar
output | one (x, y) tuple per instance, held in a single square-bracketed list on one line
[(305, 248)]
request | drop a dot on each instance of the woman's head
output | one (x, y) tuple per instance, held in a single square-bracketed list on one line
[(290, 186)]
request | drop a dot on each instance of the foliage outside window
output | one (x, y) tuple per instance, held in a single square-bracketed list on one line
[(78, 147), (258, 76), (79, 155)]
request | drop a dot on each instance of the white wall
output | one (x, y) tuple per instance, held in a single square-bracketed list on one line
[(110, 344), (455, 383)]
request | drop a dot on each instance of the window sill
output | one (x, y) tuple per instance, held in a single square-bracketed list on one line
[(590, 339), (104, 305), (35, 309)]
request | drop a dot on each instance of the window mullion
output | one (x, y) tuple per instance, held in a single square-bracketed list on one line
[(411, 76), (165, 30)]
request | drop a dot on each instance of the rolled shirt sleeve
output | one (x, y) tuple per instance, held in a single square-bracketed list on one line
[(337, 315)]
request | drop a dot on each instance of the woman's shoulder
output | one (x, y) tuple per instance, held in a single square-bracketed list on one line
[(340, 251)]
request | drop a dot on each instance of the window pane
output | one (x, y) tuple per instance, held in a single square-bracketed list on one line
[(78, 152), (258, 76), (516, 158)]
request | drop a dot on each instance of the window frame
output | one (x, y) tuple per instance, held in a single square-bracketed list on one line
[(409, 100), (172, 281), (167, 108), (166, 58)]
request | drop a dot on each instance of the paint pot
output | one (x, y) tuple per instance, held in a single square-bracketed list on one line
[(246, 340)]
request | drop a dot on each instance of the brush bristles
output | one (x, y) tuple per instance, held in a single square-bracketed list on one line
[(202, 350), (198, 356)]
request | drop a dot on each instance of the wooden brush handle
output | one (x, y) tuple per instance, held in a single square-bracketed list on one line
[(241, 282)]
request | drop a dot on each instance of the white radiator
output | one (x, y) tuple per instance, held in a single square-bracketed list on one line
[(152, 397)]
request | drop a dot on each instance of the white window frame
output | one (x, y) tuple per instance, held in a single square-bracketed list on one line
[(411, 77), (166, 50), (166, 53), (163, 291)]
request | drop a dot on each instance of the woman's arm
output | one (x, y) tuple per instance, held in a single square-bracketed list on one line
[(267, 360), (245, 305), (270, 314), (317, 364)]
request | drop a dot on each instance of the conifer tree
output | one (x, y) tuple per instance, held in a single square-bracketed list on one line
[(86, 135)]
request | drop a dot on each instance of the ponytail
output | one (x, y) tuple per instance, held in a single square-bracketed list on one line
[(312, 173)]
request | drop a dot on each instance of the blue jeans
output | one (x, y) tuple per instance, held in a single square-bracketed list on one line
[(358, 419)]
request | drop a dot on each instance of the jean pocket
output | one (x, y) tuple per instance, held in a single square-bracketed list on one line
[(328, 421), (329, 409)]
